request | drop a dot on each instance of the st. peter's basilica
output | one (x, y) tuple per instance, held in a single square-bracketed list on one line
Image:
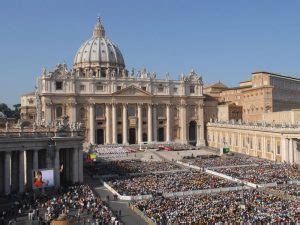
[(115, 105)]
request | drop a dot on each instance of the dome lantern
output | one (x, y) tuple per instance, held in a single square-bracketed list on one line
[(98, 29)]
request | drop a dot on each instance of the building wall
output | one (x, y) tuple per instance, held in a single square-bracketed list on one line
[(292, 116), (276, 144)]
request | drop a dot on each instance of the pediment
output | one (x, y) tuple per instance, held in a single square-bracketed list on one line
[(131, 91)]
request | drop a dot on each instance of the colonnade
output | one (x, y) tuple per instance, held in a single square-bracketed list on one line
[(291, 155), (16, 167)]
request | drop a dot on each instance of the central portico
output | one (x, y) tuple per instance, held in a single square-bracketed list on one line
[(132, 115)]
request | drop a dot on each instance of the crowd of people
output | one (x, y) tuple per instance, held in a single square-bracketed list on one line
[(272, 173), (155, 184), (290, 189), (248, 206), (122, 167), (78, 203), (235, 159)]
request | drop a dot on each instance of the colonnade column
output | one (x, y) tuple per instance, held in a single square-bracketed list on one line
[(92, 123), (183, 123), (200, 127), (21, 171), (284, 148), (56, 168), (149, 123), (7, 172), (75, 165), (114, 124), (140, 124), (107, 124), (168, 131), (291, 151), (125, 124), (155, 122)]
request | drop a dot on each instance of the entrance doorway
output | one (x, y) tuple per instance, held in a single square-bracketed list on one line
[(119, 138), (100, 136), (145, 137), (132, 136), (193, 133), (161, 134)]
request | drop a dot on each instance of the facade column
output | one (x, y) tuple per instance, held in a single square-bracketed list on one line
[(114, 124), (21, 171), (107, 124), (80, 165), (140, 123), (35, 159), (155, 123), (200, 127), (92, 123), (125, 125), (48, 113), (168, 131), (7, 172), (75, 165), (56, 168), (73, 112), (149, 123), (183, 128)]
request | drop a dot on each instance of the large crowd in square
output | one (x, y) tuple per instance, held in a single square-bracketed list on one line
[(272, 173), (166, 183), (243, 207)]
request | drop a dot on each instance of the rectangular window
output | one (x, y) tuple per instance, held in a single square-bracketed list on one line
[(58, 85), (278, 149), (160, 89), (131, 111), (82, 87), (99, 111), (119, 88), (144, 88), (175, 90), (192, 89), (99, 88)]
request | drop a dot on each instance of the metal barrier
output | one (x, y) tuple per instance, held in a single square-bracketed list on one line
[(141, 214)]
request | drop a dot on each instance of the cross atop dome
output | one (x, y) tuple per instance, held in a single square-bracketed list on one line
[(98, 29)]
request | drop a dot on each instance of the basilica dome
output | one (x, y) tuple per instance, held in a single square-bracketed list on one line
[(98, 52)]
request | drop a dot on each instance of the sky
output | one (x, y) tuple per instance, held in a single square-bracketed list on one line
[(221, 40)]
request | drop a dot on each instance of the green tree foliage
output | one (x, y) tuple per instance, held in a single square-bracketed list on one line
[(10, 113)]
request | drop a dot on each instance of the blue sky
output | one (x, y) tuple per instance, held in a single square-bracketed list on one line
[(221, 40)]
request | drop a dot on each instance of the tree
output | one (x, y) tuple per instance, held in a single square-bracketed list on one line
[(15, 113)]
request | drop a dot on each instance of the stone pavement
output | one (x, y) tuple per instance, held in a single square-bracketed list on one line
[(128, 217)]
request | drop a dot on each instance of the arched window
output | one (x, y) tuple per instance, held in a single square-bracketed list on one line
[(192, 89)]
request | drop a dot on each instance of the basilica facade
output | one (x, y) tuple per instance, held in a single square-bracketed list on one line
[(115, 105)]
